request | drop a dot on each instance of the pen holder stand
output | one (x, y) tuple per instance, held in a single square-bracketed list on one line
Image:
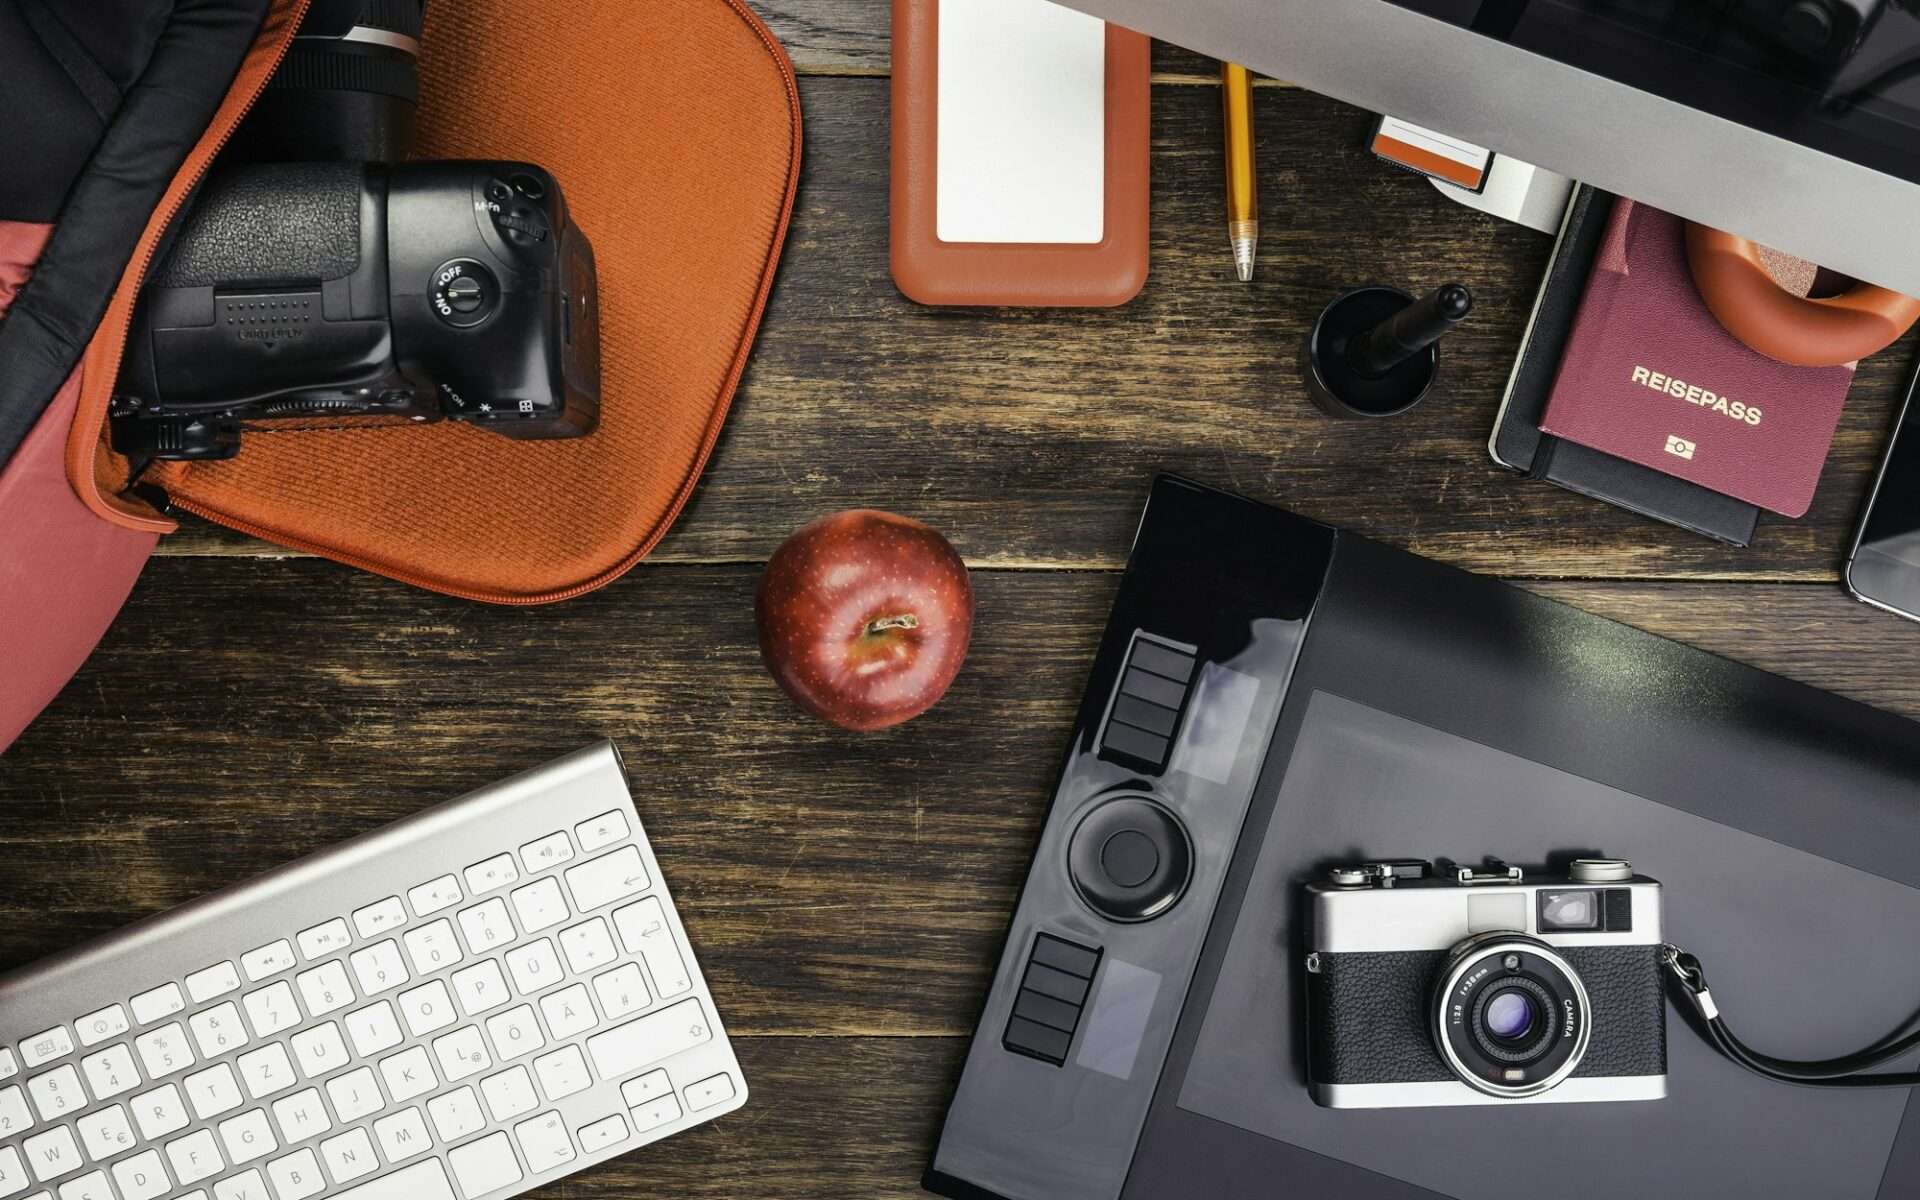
[(1375, 350)]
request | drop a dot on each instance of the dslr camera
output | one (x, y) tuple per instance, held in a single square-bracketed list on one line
[(1471, 986), (320, 282)]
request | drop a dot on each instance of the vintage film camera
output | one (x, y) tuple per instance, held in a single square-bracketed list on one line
[(1483, 987)]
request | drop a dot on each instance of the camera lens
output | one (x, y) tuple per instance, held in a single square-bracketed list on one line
[(346, 91), (1509, 1015)]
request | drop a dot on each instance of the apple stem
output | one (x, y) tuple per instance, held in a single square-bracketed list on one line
[(899, 621)]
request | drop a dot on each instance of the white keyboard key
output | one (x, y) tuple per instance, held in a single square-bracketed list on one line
[(270, 959), (296, 1176), (45, 1046), (194, 1157), (141, 1177), (509, 1093), (563, 1072), (217, 1030), (266, 1070), (484, 1166), (588, 945), (486, 925), (427, 1008), (408, 1074), (622, 992), (539, 905), (328, 937), (247, 1185), (164, 1050), (247, 1136), (8, 1068), (607, 1131), (105, 1133), (373, 1029), (495, 872), (534, 966), (480, 987), (52, 1154), (350, 1155), (461, 1053), (325, 989), (163, 1001), (646, 1040), (456, 1114), (568, 1011), (422, 1181), (544, 1142), (159, 1112), (14, 1116), (91, 1186), (655, 1113), (603, 830), (97, 1027), (715, 1089), (549, 851), (57, 1093), (208, 982), (213, 1091), (644, 931), (605, 879), (300, 1116), (319, 1050), (432, 947), (110, 1072), (13, 1172), (514, 1033), (271, 1009), (402, 1135), (434, 895), (378, 967), (354, 1095), (650, 1086), (378, 918)]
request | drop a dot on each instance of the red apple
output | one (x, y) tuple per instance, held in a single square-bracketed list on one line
[(864, 617)]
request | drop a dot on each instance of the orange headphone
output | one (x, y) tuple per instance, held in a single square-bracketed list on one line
[(1752, 306)]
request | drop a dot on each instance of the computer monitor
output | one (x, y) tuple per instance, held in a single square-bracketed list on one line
[(1792, 122)]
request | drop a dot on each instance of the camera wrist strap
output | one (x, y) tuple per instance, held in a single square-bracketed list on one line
[(1842, 1072)]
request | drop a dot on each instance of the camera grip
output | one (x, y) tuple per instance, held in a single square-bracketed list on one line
[(270, 224)]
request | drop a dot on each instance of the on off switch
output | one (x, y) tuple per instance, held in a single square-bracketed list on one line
[(464, 293)]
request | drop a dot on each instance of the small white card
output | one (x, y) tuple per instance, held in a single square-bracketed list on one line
[(1022, 125)]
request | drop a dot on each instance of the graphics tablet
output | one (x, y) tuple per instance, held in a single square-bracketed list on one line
[(1272, 697)]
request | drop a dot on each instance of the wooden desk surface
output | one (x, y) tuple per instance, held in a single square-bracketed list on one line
[(848, 892)]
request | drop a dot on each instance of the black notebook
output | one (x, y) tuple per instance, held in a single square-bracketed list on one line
[(1518, 443)]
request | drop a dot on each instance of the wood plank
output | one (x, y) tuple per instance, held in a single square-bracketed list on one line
[(242, 713), (852, 1117), (1029, 436)]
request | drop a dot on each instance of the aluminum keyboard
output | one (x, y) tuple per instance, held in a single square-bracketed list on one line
[(466, 1004)]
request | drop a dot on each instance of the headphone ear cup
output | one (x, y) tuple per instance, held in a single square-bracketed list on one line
[(1831, 331)]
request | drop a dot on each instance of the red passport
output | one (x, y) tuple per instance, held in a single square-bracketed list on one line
[(1650, 376)]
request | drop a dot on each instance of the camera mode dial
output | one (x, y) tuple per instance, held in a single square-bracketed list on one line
[(464, 293)]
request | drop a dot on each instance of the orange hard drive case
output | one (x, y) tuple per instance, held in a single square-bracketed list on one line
[(1101, 274), (674, 128)]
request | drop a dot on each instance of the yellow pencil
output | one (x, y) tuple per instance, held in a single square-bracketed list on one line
[(1243, 191)]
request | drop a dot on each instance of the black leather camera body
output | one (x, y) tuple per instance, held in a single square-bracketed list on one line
[(1482, 987), (318, 294)]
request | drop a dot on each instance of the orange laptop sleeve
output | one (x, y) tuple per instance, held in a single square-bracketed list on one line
[(674, 128), (930, 271)]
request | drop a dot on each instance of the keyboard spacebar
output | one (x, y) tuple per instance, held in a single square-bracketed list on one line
[(649, 1039), (421, 1181)]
